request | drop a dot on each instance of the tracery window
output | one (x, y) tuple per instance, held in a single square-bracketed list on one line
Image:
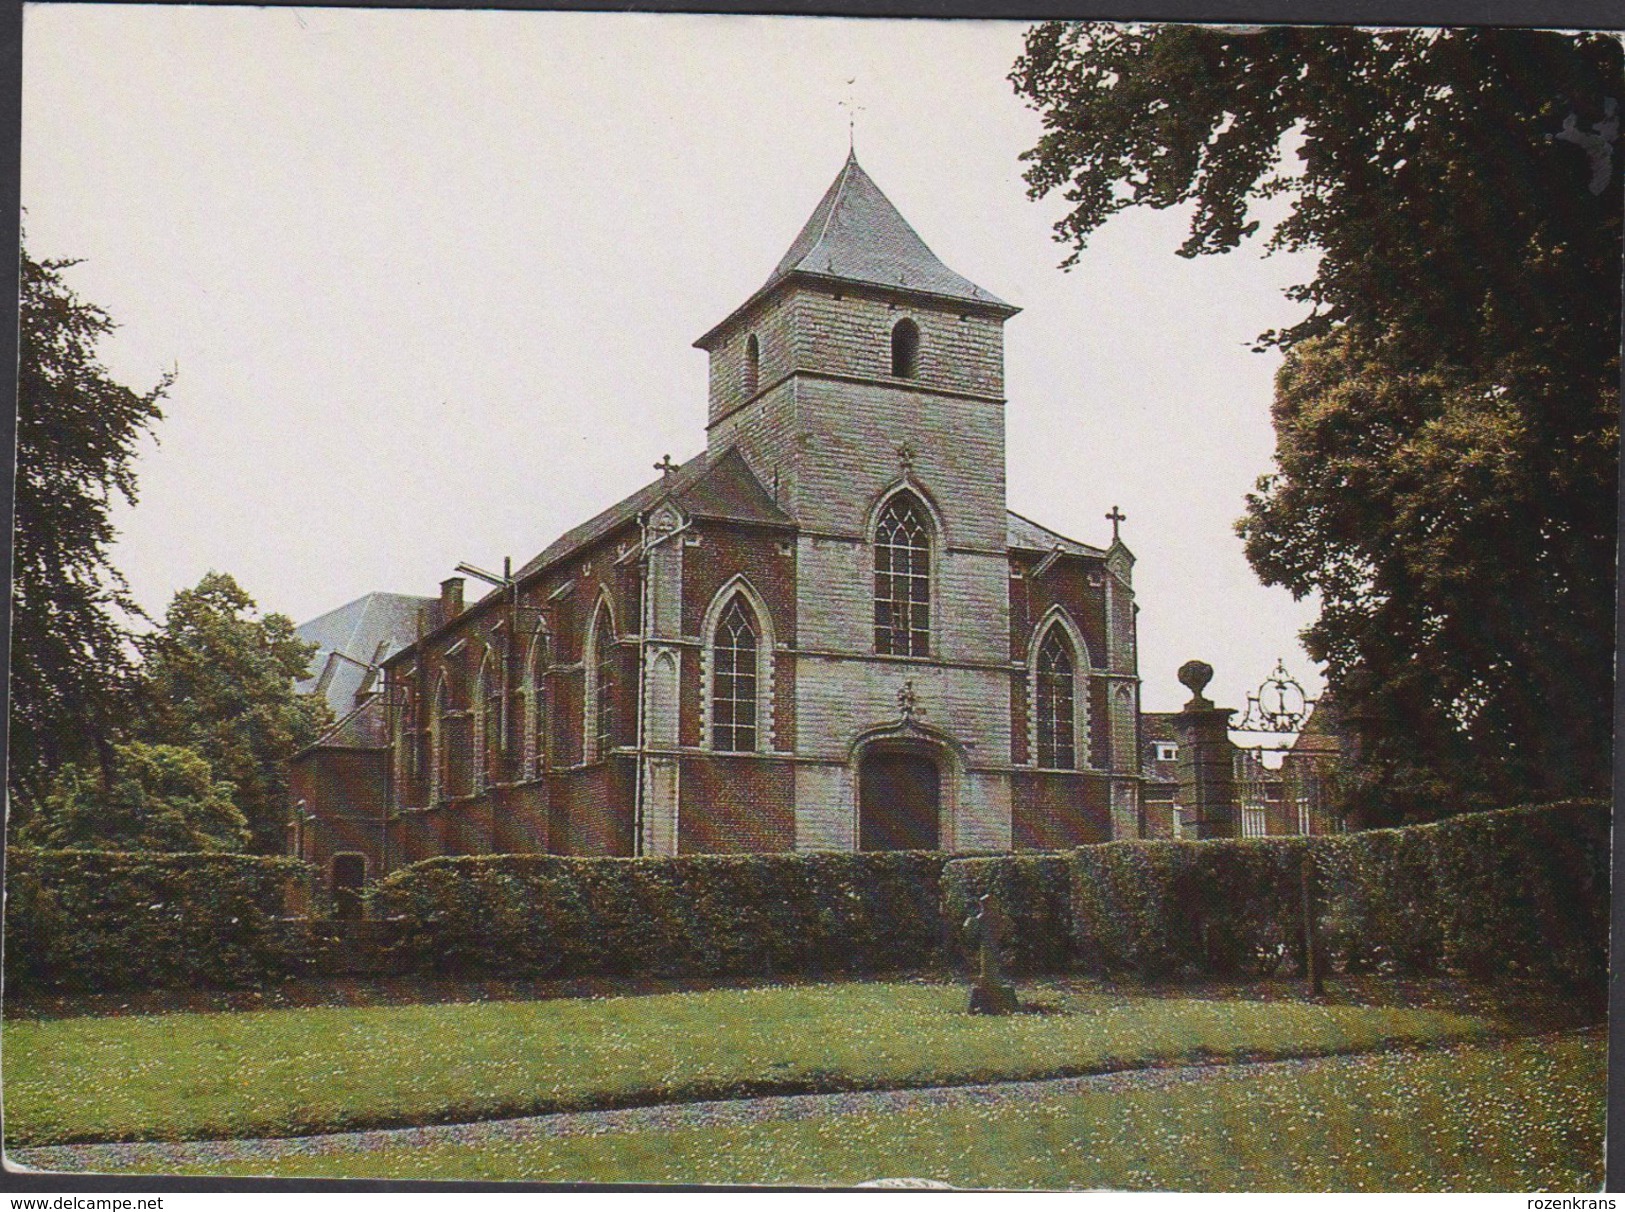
[(1057, 687), (903, 579), (733, 684)]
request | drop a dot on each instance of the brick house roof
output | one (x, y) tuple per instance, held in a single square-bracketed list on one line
[(1158, 726)]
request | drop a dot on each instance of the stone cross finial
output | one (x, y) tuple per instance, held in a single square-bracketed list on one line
[(665, 467), (905, 456), (1114, 517), (907, 701)]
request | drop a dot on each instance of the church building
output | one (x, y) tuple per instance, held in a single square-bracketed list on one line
[(827, 631)]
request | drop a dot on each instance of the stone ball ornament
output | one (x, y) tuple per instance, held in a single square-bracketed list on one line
[(1194, 676)]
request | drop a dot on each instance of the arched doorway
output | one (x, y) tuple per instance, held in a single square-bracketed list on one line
[(899, 799)]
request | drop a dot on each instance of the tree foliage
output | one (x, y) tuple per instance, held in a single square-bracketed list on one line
[(160, 797), (77, 434), (219, 679), (1446, 416)]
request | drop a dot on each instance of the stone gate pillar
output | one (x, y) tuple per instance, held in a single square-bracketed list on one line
[(1207, 777)]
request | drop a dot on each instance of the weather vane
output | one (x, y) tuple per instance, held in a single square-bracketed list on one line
[(853, 109)]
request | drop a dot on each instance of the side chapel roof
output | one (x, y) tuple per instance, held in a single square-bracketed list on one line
[(1024, 534), (719, 486)]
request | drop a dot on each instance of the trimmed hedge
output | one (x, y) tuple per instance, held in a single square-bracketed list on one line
[(706, 915), (1033, 890), (85, 920), (1520, 892), (1160, 909)]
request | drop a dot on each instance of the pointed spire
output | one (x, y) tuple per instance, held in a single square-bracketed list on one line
[(856, 233)]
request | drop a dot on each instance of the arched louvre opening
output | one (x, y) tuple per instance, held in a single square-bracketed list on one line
[(905, 349), (753, 366), (1057, 689), (733, 680), (903, 579)]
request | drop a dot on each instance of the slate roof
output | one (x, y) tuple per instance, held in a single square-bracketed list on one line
[(1027, 535), (855, 234), (365, 631), (709, 485), (365, 727)]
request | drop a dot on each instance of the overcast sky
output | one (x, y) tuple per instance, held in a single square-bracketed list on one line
[(431, 282)]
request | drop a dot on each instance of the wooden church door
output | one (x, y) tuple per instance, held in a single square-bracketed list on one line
[(899, 802)]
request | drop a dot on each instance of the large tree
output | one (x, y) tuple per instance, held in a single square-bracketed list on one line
[(218, 678), (1446, 416), (160, 797), (77, 435)]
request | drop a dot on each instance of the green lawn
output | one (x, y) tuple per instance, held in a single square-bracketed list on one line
[(279, 1072), (1526, 1115)]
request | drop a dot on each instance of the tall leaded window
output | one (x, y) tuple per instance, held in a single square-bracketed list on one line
[(491, 746), (441, 741), (537, 697), (733, 680), (407, 741), (903, 579), (604, 683), (1056, 688)]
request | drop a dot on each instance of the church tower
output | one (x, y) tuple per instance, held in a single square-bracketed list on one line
[(863, 384)]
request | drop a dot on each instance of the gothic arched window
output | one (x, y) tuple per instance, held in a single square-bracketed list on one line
[(488, 703), (407, 742), (753, 365), (1057, 690), (536, 704), (602, 669), (905, 349), (449, 742), (733, 680), (903, 579)]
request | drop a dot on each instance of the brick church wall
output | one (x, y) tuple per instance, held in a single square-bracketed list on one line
[(520, 821), (1052, 811), (736, 805), (593, 808)]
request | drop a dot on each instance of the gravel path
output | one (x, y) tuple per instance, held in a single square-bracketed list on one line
[(120, 1157)]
